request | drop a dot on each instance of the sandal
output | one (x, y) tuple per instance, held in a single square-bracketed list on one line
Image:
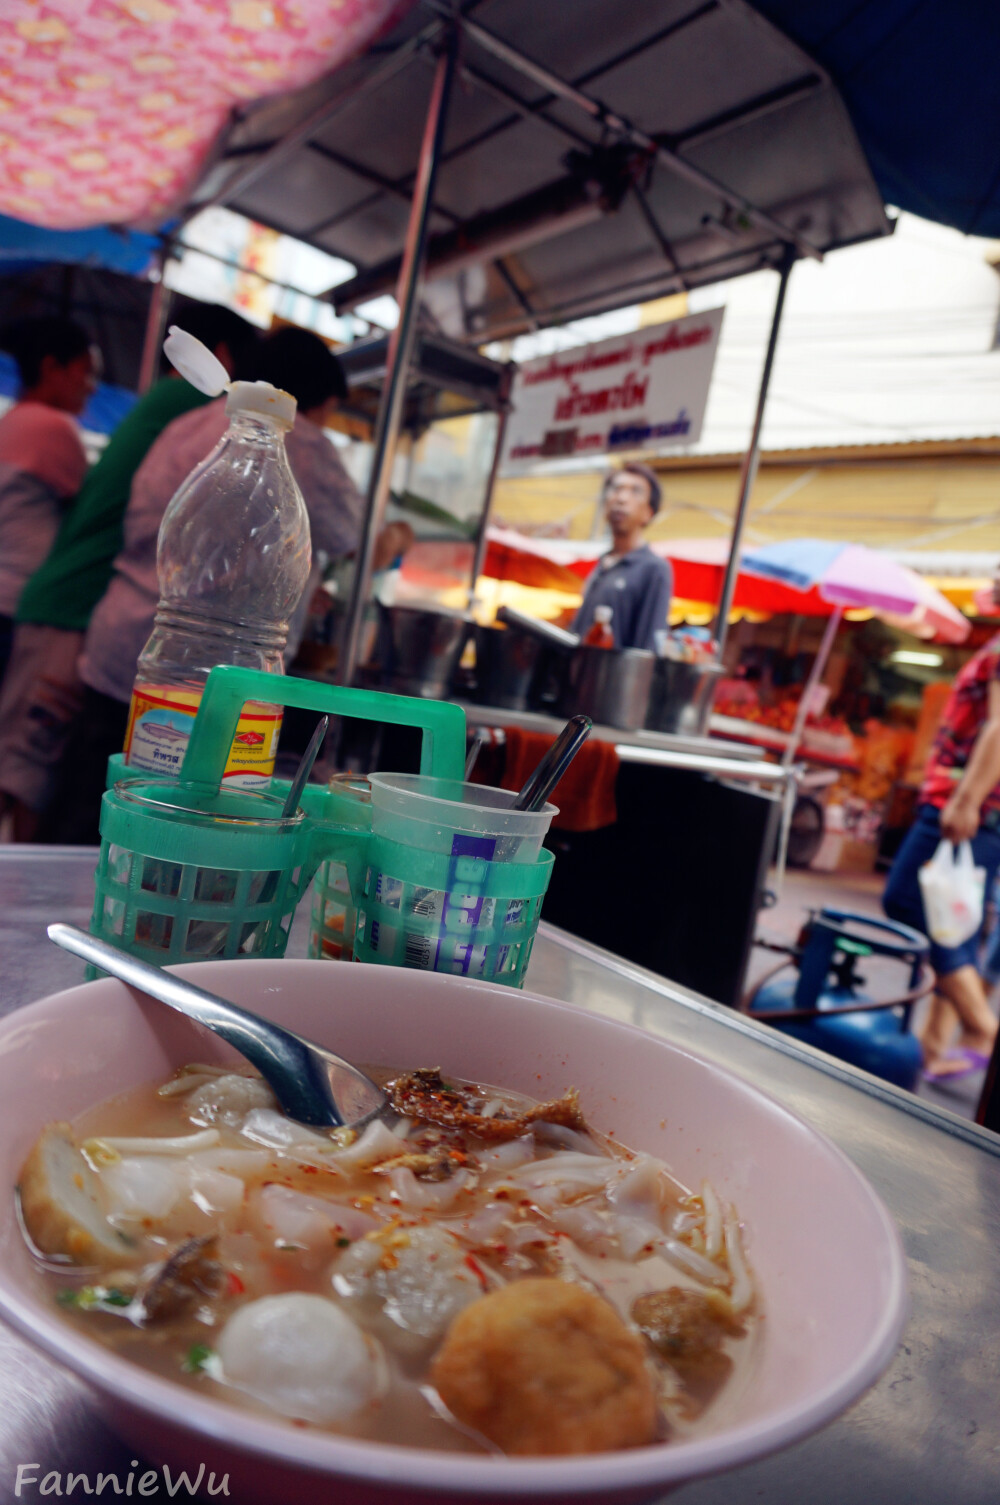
[(972, 1061)]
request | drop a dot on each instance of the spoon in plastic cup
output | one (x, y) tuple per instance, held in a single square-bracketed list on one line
[(550, 770), (312, 1085), (305, 768), (294, 795), (475, 748)]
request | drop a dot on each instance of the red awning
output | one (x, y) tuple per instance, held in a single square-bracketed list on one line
[(564, 564)]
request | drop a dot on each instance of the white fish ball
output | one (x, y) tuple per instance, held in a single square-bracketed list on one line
[(302, 1356)]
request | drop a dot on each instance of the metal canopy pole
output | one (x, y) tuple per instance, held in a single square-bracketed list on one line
[(748, 470), (159, 309), (400, 350), (479, 552), (815, 675)]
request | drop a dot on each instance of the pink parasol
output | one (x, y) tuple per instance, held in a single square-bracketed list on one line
[(851, 575)]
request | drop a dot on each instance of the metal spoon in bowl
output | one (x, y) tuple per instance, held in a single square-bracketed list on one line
[(312, 1085)]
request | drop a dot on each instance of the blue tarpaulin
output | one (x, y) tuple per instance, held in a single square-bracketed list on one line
[(115, 250), (112, 307), (920, 79)]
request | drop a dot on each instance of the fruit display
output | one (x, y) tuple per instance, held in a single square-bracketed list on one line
[(828, 734)]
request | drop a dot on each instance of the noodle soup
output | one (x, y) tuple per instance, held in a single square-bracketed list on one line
[(478, 1273)]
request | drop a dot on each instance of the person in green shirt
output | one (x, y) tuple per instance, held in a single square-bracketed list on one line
[(41, 692)]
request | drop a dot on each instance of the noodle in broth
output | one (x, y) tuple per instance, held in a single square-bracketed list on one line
[(345, 1281)]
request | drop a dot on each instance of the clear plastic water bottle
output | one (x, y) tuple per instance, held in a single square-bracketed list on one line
[(232, 559)]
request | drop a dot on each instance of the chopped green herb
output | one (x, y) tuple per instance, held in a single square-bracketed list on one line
[(196, 1358), (343, 1243), (94, 1298)]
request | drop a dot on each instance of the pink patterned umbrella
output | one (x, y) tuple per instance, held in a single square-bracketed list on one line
[(107, 107)]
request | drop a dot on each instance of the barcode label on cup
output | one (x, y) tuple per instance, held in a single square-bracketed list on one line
[(428, 903), (418, 951)]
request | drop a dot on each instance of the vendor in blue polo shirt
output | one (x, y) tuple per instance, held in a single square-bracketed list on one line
[(636, 583)]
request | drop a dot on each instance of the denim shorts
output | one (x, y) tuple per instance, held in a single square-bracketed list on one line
[(902, 900)]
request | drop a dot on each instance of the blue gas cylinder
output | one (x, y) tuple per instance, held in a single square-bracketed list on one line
[(875, 1040), (878, 1039)]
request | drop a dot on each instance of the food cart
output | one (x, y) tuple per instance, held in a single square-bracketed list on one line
[(538, 194), (553, 180)]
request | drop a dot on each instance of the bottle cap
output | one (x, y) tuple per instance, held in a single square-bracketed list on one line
[(260, 397), (195, 362), (603, 614), (203, 370)]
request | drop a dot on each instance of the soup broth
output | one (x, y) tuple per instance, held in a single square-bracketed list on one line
[(370, 1284)]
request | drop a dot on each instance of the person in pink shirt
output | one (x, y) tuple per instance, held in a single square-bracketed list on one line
[(42, 459)]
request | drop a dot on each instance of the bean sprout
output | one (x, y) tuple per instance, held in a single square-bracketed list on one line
[(713, 1221), (695, 1264), (741, 1291), (179, 1144)]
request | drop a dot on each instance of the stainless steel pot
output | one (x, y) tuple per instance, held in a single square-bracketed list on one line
[(612, 686), (416, 652), (680, 696), (506, 661)]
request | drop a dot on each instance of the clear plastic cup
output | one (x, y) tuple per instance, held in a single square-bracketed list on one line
[(459, 820)]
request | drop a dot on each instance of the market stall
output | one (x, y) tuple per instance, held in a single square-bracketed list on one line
[(486, 250), (520, 188), (682, 862), (670, 239)]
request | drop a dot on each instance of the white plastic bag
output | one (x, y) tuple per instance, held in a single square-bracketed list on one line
[(953, 890)]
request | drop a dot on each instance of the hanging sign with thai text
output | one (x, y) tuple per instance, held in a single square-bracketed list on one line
[(645, 390)]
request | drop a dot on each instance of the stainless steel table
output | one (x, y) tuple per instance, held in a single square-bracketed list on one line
[(929, 1432)]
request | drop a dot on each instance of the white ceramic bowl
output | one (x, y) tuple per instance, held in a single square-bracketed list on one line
[(824, 1250)]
